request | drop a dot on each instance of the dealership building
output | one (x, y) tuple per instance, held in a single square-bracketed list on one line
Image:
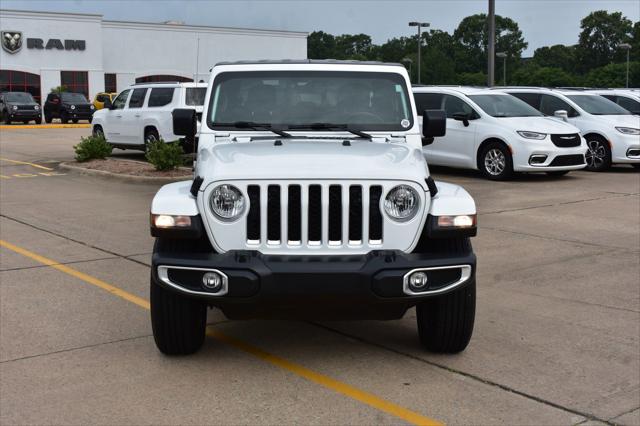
[(87, 54)]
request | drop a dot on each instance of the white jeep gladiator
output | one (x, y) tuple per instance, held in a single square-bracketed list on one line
[(311, 199)]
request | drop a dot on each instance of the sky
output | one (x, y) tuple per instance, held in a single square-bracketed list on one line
[(543, 22)]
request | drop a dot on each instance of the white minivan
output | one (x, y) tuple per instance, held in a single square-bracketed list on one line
[(628, 99), (142, 113), (498, 134), (612, 132)]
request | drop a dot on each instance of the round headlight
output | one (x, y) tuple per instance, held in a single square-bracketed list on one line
[(36, 107), (73, 107), (401, 203), (92, 107), (15, 107), (227, 202)]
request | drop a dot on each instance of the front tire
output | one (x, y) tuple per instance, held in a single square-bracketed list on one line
[(98, 132), (6, 118), (64, 119), (495, 161), (598, 154), (636, 166), (48, 119)]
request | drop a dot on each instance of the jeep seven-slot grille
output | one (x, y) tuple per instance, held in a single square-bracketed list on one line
[(332, 215)]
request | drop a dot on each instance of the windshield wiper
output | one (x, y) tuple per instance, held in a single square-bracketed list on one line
[(254, 126), (331, 126)]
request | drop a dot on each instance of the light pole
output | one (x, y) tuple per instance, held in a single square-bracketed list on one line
[(410, 62), (626, 46), (419, 25), (503, 55), (491, 49)]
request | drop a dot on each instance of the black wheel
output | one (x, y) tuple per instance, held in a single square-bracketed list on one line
[(25, 121), (64, 119), (97, 131), (178, 322), (558, 173), (636, 166), (150, 136), (90, 120), (445, 323), (495, 161), (5, 118), (75, 120), (598, 154), (48, 119)]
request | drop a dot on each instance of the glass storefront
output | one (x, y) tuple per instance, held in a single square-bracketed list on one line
[(18, 81)]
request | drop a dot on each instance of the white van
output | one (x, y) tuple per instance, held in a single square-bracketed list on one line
[(498, 134), (628, 99), (612, 132), (141, 113)]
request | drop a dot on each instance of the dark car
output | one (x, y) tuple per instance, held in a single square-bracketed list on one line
[(68, 106), (19, 106)]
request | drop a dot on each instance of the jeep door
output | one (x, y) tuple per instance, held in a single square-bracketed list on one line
[(132, 127), (113, 123)]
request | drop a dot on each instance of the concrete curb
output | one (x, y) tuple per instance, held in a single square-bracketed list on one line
[(44, 126), (121, 177)]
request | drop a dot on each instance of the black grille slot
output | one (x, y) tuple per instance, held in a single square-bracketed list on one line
[(315, 213), (273, 213), (568, 160), (294, 216), (566, 141), (355, 213), (375, 217), (253, 218), (335, 213)]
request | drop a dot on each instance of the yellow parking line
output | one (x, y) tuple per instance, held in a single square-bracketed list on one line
[(325, 381), (45, 126), (26, 163)]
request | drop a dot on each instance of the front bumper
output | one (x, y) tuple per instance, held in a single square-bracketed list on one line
[(527, 155), (371, 286), (625, 149), (80, 115), (25, 115)]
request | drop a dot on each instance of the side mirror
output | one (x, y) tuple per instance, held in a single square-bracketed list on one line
[(564, 115), (185, 122), (434, 124), (460, 116)]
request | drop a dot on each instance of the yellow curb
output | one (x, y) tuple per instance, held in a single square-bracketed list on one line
[(45, 126)]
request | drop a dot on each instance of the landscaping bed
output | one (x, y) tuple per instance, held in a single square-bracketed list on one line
[(132, 168)]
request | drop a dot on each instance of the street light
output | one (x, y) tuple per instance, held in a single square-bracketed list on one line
[(503, 55), (626, 46), (419, 25), (410, 62)]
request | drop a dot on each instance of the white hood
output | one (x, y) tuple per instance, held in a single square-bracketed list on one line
[(546, 125), (312, 159), (619, 120)]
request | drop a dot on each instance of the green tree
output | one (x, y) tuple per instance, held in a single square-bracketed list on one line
[(602, 32), (533, 75), (557, 56), (471, 39), (353, 46), (321, 45), (614, 75)]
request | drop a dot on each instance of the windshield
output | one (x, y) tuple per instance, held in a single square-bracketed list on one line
[(597, 105), (504, 106), (194, 96), (361, 100), (21, 97), (77, 98)]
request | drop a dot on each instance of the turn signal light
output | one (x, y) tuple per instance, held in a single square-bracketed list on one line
[(461, 221), (168, 221)]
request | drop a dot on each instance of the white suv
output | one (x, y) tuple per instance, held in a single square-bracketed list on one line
[(142, 113), (498, 134), (612, 132), (311, 199)]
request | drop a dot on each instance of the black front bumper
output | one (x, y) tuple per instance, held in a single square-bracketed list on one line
[(367, 286), (25, 115)]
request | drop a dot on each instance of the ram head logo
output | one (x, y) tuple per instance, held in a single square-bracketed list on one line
[(11, 41)]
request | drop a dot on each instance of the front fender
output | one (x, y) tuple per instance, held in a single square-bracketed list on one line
[(175, 199), (451, 200)]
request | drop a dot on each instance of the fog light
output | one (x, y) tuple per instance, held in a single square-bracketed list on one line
[(212, 281), (418, 281), (537, 159)]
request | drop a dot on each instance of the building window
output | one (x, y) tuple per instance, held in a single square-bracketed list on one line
[(163, 78), (75, 81), (18, 81), (110, 85)]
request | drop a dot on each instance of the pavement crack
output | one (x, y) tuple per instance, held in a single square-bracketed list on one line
[(74, 240), (617, 195), (75, 348), (471, 376), (612, 419)]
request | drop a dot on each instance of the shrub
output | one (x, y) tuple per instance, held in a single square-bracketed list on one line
[(165, 155), (92, 147)]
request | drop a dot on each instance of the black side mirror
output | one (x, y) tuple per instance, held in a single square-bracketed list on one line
[(461, 116), (434, 124), (185, 122)]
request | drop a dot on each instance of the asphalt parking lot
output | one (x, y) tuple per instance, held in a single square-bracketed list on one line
[(557, 337)]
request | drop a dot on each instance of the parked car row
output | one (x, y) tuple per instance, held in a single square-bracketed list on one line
[(505, 130)]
